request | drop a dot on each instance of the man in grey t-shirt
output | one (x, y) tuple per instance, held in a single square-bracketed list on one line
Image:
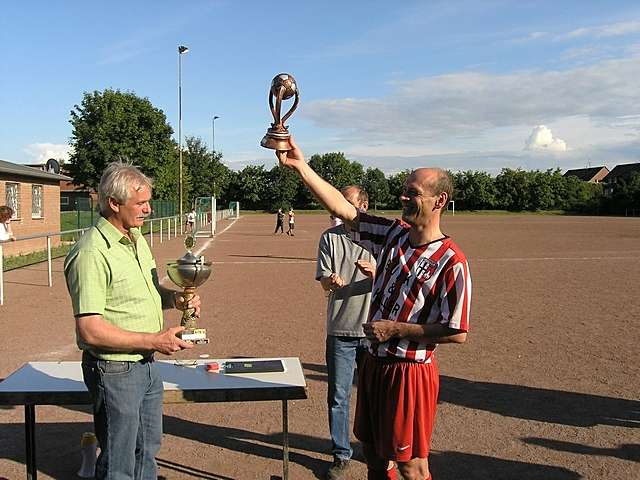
[(344, 270)]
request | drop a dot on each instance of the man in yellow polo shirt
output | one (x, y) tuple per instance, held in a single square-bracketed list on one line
[(117, 303)]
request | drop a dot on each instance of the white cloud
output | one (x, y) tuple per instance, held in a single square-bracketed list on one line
[(541, 138), (453, 110), (598, 32), (609, 155), (41, 152), (601, 31)]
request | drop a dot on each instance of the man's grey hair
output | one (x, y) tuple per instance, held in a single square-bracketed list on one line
[(361, 195), (117, 181)]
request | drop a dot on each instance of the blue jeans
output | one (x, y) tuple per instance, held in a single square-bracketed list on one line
[(342, 355), (127, 414)]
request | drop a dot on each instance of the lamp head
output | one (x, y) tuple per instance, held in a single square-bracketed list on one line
[(182, 49)]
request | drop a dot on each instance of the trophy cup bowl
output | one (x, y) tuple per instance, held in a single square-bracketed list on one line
[(188, 273), (283, 87)]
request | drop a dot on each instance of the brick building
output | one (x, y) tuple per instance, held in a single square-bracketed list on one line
[(590, 174), (34, 195)]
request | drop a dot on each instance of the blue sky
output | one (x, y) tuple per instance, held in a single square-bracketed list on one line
[(459, 84)]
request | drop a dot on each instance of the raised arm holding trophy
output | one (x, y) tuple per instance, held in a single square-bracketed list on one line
[(283, 87)]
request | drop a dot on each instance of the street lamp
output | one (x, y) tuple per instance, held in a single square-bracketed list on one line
[(213, 133), (181, 49)]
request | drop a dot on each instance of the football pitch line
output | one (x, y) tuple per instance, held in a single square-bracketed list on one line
[(546, 259)]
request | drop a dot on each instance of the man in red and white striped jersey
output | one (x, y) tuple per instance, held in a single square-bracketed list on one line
[(421, 297)]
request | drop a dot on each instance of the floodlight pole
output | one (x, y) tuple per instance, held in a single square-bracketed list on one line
[(213, 133), (181, 49)]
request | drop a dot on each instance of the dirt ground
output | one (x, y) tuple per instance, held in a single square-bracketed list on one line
[(546, 387)]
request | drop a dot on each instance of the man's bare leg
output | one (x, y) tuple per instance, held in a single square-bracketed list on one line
[(415, 469), (377, 468)]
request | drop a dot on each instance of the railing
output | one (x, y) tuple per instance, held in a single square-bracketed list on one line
[(163, 225)]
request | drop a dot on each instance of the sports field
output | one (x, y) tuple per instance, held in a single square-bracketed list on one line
[(546, 387)]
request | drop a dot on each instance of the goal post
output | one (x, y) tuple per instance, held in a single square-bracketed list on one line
[(208, 215), (205, 217), (452, 207)]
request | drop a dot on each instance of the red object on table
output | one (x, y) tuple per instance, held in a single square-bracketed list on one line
[(213, 367)]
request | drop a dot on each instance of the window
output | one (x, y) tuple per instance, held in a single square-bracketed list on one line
[(36, 201), (12, 198), (64, 201)]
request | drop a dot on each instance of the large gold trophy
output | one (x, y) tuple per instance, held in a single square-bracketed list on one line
[(283, 87), (188, 273)]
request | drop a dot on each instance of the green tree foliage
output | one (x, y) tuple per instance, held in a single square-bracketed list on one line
[(580, 196), (396, 186), (474, 190), (113, 125), (206, 174), (513, 189), (626, 195), (377, 186), (336, 169), (249, 187), (283, 188)]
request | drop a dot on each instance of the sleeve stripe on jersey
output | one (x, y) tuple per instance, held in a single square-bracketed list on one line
[(455, 308)]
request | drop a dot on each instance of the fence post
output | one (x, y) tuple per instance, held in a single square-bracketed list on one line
[(49, 259), (168, 228), (175, 227), (1, 277), (151, 232), (160, 230)]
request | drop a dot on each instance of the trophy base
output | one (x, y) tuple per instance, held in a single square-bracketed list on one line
[(276, 141), (196, 336)]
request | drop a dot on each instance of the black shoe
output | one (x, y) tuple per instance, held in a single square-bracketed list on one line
[(337, 469)]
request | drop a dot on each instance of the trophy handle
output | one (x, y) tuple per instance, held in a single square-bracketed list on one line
[(293, 107), (276, 116), (279, 121), (188, 315)]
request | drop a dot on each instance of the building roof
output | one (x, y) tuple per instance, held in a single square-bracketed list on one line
[(25, 171), (585, 174), (625, 170)]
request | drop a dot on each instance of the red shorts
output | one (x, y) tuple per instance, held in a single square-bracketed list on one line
[(396, 406)]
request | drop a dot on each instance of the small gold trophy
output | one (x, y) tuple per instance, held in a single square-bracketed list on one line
[(189, 272), (283, 87)]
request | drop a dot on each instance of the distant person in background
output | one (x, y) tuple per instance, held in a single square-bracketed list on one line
[(279, 222), (191, 220), (344, 270), (291, 222), (6, 233)]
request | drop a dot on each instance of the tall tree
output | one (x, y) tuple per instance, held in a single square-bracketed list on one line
[(474, 190), (206, 174), (249, 187), (377, 186), (282, 189), (396, 186), (513, 190), (113, 125), (336, 169)]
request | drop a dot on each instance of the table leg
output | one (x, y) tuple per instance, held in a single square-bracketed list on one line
[(30, 439), (285, 441)]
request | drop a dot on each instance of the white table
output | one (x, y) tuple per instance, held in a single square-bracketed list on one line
[(60, 383)]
